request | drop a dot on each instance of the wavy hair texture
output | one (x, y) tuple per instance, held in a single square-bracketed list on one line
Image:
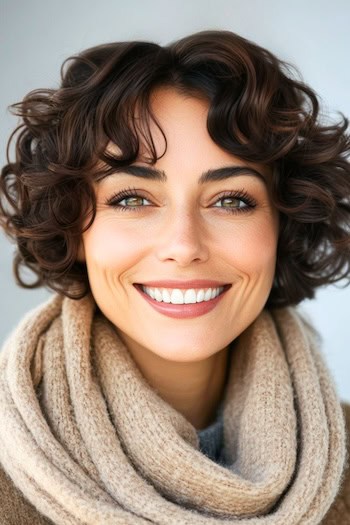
[(259, 110)]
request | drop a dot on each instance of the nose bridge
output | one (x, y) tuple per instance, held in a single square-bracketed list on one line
[(183, 237)]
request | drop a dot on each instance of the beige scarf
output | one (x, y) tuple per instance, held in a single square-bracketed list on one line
[(88, 441)]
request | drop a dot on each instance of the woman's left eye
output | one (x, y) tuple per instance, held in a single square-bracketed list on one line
[(236, 201), (232, 203)]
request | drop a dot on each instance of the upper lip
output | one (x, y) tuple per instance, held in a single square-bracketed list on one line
[(194, 283)]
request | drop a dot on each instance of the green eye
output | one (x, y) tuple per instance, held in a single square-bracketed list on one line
[(133, 201), (236, 202), (229, 202), (127, 200)]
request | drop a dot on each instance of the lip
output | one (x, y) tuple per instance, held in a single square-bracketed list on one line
[(182, 311), (194, 283)]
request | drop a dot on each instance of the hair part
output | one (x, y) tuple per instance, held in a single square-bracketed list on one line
[(259, 110)]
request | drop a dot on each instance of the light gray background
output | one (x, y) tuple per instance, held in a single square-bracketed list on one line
[(36, 36)]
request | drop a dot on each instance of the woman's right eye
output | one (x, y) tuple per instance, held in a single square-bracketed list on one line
[(131, 200)]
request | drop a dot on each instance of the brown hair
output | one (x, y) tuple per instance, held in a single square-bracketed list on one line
[(259, 111)]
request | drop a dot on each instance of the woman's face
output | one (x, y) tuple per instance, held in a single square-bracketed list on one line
[(180, 229)]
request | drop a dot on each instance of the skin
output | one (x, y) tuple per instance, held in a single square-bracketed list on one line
[(179, 230)]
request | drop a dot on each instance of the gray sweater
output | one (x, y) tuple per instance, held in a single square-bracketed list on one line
[(211, 438)]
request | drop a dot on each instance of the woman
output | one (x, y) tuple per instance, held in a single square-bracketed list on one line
[(180, 201)]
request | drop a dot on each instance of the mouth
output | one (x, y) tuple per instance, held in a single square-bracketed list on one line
[(182, 295), (182, 302)]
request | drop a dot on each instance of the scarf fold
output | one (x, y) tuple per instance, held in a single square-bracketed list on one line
[(88, 441)]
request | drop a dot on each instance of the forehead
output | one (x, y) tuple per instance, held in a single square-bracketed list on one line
[(181, 139), (175, 113)]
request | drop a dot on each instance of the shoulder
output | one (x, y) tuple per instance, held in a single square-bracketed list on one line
[(339, 512), (15, 509)]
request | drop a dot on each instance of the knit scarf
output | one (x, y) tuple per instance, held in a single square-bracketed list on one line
[(88, 440)]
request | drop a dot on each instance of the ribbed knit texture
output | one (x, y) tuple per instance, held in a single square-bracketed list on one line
[(88, 441)]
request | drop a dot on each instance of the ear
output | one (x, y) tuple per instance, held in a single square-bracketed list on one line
[(81, 252)]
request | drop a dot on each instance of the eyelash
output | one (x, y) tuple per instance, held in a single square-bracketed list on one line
[(133, 192)]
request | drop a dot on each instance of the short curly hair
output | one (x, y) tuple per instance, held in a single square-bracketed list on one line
[(259, 110)]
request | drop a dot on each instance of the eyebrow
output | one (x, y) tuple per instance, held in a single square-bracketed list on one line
[(211, 175)]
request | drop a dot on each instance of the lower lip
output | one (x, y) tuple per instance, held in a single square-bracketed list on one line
[(182, 311)]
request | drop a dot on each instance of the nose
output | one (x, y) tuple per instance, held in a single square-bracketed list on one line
[(183, 239)]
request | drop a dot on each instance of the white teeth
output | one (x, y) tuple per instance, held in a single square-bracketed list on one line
[(156, 295), (208, 294), (200, 296), (190, 297), (165, 296), (177, 296)]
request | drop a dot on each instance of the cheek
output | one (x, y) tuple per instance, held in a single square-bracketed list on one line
[(108, 246), (253, 248)]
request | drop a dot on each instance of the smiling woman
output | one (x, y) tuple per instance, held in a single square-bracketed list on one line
[(218, 225), (180, 201)]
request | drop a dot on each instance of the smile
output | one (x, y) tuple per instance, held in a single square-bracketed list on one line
[(177, 296), (182, 303)]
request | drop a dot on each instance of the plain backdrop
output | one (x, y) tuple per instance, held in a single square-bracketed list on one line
[(36, 37)]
